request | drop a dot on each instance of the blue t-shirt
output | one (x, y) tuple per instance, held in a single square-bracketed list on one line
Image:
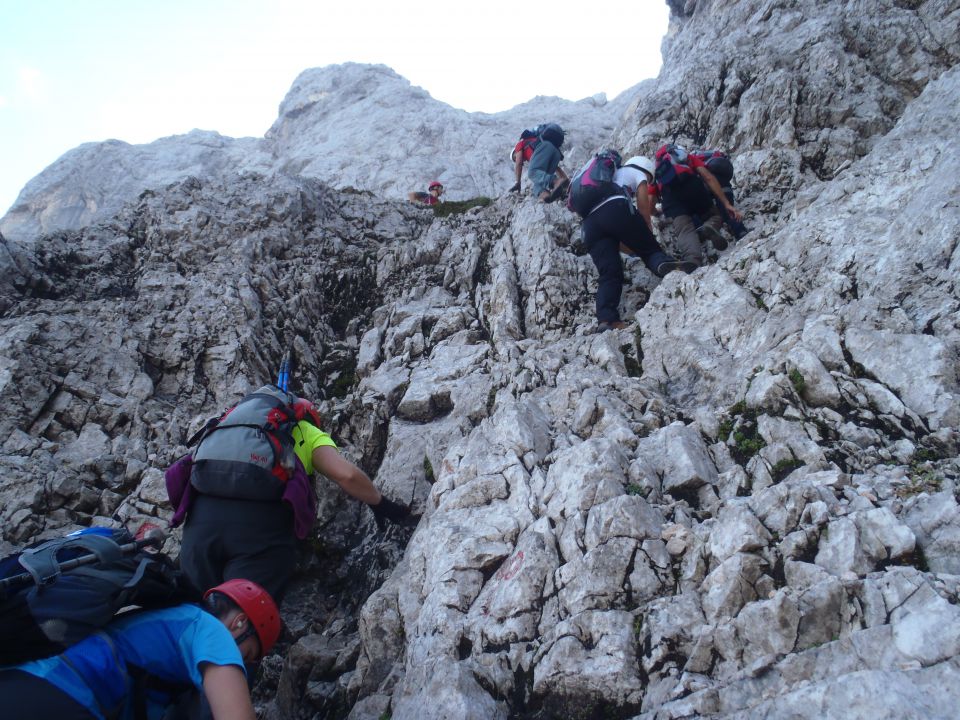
[(170, 644)]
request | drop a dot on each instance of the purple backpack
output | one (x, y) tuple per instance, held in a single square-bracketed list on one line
[(594, 183)]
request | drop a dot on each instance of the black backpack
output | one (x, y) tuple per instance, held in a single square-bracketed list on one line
[(718, 163), (57, 592), (594, 183), (248, 452), (552, 133)]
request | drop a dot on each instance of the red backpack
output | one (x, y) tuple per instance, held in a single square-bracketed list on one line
[(671, 166)]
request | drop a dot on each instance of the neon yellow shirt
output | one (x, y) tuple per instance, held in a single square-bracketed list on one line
[(306, 439)]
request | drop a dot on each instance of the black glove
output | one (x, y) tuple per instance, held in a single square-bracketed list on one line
[(515, 188), (388, 510)]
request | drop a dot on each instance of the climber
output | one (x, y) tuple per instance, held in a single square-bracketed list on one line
[(636, 175), (720, 165), (241, 521), (522, 152), (147, 661), (549, 180), (613, 225), (686, 189), (431, 197)]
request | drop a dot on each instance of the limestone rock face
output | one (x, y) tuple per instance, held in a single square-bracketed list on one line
[(796, 90), (94, 180), (408, 138), (350, 126), (744, 505)]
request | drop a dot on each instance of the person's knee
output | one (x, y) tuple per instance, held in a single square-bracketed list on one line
[(611, 271)]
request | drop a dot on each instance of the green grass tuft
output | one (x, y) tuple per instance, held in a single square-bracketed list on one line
[(458, 207), (796, 377)]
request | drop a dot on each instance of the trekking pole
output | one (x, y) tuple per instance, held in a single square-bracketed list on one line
[(283, 378), (154, 538)]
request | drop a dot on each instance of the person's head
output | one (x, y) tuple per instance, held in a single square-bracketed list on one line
[(249, 613), (435, 188), (306, 410), (642, 163)]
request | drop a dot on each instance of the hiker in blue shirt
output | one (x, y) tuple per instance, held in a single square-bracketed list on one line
[(146, 661), (544, 172)]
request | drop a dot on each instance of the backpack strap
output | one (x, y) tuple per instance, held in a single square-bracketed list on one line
[(202, 432), (110, 713), (143, 682)]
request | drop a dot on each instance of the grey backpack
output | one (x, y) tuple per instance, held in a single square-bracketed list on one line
[(248, 452)]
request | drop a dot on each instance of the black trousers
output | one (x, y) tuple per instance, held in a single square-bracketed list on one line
[(604, 230), (26, 697), (227, 539)]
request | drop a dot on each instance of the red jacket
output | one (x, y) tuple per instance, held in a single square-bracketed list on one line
[(526, 146)]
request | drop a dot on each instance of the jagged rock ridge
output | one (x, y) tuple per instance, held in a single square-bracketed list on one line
[(350, 126), (745, 505)]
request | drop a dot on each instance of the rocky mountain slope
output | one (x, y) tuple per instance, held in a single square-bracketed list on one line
[(745, 505), (351, 126)]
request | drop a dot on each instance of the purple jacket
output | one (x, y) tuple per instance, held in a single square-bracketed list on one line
[(298, 493)]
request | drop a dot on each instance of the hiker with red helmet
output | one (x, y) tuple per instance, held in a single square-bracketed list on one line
[(246, 492), (431, 197), (143, 663)]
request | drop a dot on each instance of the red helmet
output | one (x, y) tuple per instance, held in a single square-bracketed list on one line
[(258, 606), (435, 184), (306, 410)]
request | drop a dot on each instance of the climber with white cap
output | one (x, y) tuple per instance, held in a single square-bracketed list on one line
[(636, 174)]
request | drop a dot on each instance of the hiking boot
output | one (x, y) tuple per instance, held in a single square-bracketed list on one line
[(708, 232), (686, 265), (615, 325)]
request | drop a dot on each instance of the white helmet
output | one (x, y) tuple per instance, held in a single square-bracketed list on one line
[(642, 163)]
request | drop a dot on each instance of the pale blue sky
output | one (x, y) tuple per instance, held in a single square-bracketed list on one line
[(75, 71)]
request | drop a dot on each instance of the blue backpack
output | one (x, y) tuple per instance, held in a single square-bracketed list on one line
[(57, 592), (594, 183), (534, 133)]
